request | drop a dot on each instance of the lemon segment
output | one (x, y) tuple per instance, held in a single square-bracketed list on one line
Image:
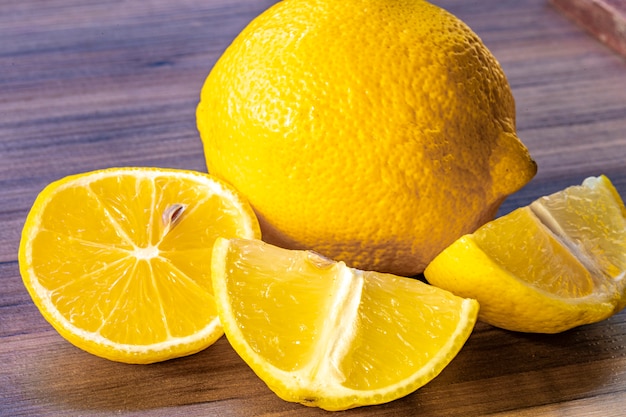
[(591, 220), (118, 260), (326, 335), (553, 265), (561, 273)]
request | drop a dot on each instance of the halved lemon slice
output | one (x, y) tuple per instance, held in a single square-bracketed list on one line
[(118, 260), (555, 264), (322, 334)]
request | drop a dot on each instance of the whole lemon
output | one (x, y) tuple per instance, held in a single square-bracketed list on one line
[(375, 132)]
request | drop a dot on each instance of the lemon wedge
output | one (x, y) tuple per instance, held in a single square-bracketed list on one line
[(326, 335), (555, 264)]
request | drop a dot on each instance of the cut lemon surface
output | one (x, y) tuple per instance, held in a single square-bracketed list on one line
[(555, 264), (118, 260), (325, 335)]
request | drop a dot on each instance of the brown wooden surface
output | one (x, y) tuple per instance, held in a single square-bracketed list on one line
[(88, 84)]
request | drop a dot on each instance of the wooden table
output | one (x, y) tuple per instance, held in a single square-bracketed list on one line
[(88, 84)]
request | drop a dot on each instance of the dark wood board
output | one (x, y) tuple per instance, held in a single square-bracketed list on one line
[(88, 84)]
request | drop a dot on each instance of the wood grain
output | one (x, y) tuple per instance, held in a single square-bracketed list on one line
[(87, 84)]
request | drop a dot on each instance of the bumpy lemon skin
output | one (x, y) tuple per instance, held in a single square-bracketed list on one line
[(372, 132)]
